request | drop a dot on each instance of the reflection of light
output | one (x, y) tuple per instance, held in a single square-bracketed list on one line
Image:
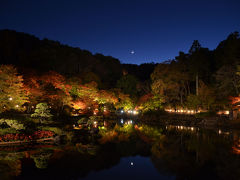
[(226, 112), (130, 122), (122, 121)]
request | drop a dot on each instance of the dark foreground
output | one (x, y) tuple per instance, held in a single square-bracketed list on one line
[(172, 152)]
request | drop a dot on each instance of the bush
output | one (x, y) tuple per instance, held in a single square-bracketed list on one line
[(56, 130), (8, 131), (13, 124), (82, 120), (42, 112)]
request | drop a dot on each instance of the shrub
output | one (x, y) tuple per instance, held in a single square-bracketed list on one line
[(13, 124), (56, 130), (42, 112)]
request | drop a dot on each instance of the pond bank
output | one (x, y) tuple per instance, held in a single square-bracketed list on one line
[(189, 120)]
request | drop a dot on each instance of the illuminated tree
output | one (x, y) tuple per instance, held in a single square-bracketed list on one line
[(42, 111), (12, 93)]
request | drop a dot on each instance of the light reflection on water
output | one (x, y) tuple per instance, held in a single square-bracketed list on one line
[(183, 152)]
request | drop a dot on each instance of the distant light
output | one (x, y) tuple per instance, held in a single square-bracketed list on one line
[(17, 106), (219, 131), (122, 111), (10, 99), (131, 163), (226, 112), (132, 52), (122, 121), (135, 112)]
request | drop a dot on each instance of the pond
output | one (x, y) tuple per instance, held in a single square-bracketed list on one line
[(171, 152)]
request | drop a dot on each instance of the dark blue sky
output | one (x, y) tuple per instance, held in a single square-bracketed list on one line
[(155, 29)]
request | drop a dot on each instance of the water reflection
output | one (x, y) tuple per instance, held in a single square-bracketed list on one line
[(131, 152)]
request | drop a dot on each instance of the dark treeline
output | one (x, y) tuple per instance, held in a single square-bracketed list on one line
[(200, 78), (29, 52)]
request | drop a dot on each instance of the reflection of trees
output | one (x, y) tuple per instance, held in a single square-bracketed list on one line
[(10, 165), (198, 156), (41, 159)]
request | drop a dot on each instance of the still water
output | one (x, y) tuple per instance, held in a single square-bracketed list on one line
[(179, 153)]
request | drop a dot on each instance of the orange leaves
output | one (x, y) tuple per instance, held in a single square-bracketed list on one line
[(79, 105), (234, 100)]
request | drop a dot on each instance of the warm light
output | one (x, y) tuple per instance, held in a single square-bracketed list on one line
[(192, 111), (95, 122), (94, 113), (17, 106), (226, 112), (135, 112), (10, 99), (219, 131), (181, 110), (192, 128)]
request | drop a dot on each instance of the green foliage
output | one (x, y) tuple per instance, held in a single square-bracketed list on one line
[(12, 93), (193, 101), (42, 111), (41, 159), (8, 131), (13, 124), (125, 102), (82, 120), (151, 132), (152, 104)]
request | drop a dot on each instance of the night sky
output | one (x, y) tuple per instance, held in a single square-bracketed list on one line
[(153, 30)]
